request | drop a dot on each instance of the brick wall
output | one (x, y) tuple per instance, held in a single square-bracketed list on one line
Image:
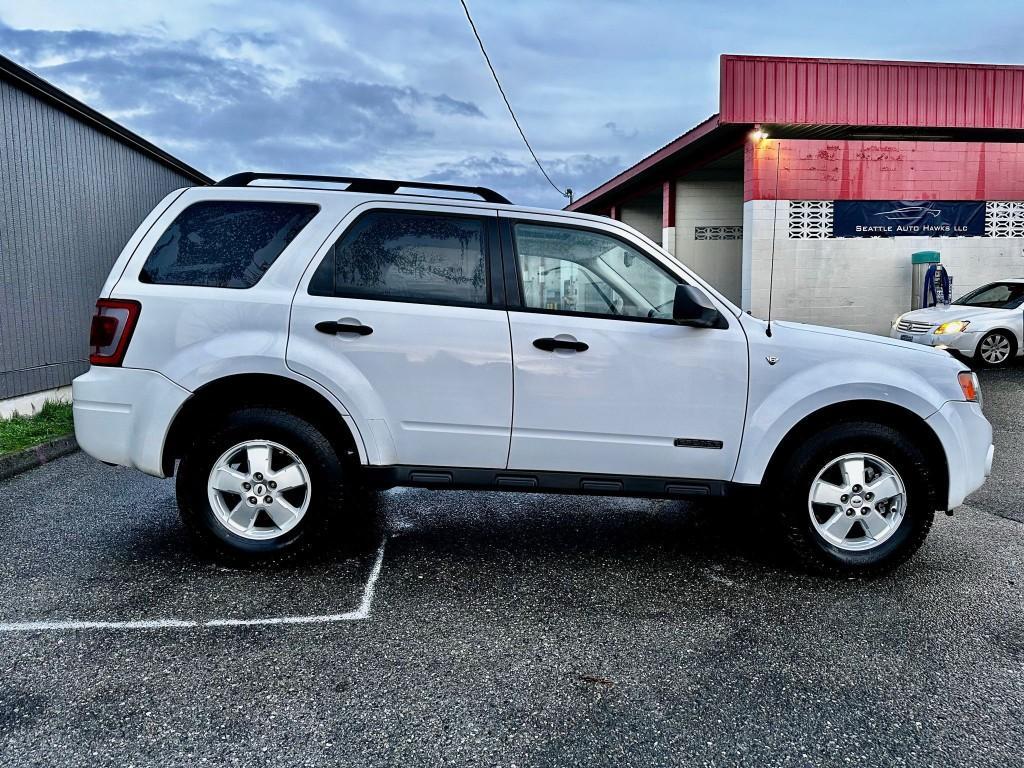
[(883, 170)]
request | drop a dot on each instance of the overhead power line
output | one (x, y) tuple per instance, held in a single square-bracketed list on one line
[(564, 193)]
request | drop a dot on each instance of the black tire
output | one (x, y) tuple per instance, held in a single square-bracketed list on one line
[(329, 511), (983, 363), (790, 491)]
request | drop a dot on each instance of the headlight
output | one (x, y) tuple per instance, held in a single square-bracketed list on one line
[(896, 320), (953, 326)]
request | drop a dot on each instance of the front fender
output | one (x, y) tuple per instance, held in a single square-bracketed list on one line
[(781, 405)]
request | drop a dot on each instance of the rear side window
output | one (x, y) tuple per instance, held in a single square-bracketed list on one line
[(224, 243), (413, 257)]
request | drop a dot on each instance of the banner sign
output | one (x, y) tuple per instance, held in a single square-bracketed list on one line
[(907, 218)]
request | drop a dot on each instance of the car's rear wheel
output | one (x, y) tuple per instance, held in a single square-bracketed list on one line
[(264, 485), (996, 349), (855, 499)]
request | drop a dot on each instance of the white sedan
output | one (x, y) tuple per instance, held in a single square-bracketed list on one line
[(987, 324)]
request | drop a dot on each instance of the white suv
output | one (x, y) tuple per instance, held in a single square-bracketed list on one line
[(285, 347)]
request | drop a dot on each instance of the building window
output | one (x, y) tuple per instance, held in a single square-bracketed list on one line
[(1004, 219), (718, 233), (810, 219)]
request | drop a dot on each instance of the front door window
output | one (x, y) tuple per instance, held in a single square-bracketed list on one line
[(573, 270)]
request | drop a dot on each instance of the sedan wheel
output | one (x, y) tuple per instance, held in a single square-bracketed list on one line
[(996, 349)]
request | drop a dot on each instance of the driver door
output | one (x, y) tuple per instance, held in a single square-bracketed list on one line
[(604, 381)]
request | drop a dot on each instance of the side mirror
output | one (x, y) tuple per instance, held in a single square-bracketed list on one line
[(692, 307)]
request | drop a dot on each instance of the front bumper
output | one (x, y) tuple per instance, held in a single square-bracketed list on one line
[(964, 343), (966, 438), (123, 415)]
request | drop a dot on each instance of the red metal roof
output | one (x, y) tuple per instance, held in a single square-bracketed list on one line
[(770, 89), (835, 92)]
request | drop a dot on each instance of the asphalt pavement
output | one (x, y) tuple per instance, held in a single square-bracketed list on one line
[(506, 630)]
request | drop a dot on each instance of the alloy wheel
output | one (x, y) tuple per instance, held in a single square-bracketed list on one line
[(259, 489), (995, 349), (857, 502)]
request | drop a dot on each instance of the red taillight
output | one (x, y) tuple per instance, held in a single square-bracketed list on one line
[(111, 330), (103, 331)]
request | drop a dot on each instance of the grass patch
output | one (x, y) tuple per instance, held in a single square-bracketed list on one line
[(53, 420)]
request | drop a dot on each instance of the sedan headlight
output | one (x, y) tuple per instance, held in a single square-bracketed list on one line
[(953, 326)]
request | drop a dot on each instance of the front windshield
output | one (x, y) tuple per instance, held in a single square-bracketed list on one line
[(995, 295)]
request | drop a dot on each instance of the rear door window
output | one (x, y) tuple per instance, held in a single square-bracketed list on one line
[(405, 256), (224, 243)]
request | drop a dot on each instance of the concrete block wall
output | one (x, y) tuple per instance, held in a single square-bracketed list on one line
[(644, 217), (854, 283), (711, 203)]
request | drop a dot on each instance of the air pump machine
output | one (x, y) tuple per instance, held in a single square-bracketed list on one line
[(930, 282)]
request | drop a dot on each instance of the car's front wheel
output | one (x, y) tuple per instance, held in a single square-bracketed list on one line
[(996, 349), (855, 499), (262, 485)]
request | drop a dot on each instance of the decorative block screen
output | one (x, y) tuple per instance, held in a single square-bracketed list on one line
[(1004, 219), (718, 233), (810, 219)]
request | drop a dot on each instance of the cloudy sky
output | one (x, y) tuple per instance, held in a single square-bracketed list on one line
[(398, 88)]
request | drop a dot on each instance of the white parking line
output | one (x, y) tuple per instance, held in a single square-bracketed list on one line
[(360, 613), (32, 626)]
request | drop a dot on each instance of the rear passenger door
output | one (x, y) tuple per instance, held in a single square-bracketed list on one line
[(401, 315)]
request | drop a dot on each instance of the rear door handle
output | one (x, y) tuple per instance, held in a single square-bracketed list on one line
[(337, 326), (550, 345)]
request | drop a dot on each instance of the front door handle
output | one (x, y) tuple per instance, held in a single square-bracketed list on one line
[(550, 345), (338, 326)]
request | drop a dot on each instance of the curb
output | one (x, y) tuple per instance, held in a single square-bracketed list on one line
[(30, 458)]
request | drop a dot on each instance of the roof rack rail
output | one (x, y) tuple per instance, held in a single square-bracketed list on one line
[(355, 184)]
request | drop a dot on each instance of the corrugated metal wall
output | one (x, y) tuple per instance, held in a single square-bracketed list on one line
[(767, 89), (70, 197)]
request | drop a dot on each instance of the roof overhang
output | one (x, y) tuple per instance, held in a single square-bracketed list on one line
[(700, 145)]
